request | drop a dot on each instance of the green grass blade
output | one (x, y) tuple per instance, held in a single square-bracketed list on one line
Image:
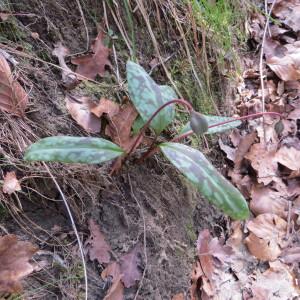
[(211, 184), (68, 149)]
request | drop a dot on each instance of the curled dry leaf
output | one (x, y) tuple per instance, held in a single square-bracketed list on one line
[(204, 255), (5, 16), (208, 246), (265, 200), (14, 262), (230, 152), (96, 245), (266, 239), (263, 161), (288, 157), (196, 276), (243, 147), (35, 35), (290, 255), (130, 266), (236, 237), (119, 128), (235, 137), (243, 183), (267, 129), (80, 109), (283, 60), (116, 291), (69, 78), (277, 280), (289, 12), (106, 106), (90, 65), (212, 253), (11, 184), (13, 98)]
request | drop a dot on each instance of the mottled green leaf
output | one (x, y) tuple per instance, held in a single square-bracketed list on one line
[(211, 120), (137, 125), (69, 149), (211, 184), (147, 96)]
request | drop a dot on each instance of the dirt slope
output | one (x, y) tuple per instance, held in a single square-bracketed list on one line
[(173, 212)]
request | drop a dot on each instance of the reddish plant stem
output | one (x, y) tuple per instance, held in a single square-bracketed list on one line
[(182, 136), (256, 115), (139, 138)]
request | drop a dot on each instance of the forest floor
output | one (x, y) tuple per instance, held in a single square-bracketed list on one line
[(148, 213)]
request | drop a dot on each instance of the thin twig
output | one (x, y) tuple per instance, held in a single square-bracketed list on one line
[(113, 45), (74, 228), (145, 240), (262, 83), (85, 26), (289, 219), (119, 25)]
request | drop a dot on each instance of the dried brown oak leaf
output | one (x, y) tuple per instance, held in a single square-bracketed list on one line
[(80, 109), (235, 137), (14, 262), (96, 245), (267, 130), (11, 184), (266, 200), (236, 237), (283, 60), (90, 65), (13, 98), (130, 266), (243, 147), (288, 157), (113, 273), (290, 255), (243, 183), (230, 151), (266, 238), (106, 106), (196, 275), (119, 128), (211, 253), (204, 254), (277, 282), (263, 161), (69, 78), (289, 12)]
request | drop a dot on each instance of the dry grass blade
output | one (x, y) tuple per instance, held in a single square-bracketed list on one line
[(143, 11)]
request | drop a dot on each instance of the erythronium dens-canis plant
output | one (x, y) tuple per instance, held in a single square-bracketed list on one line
[(156, 107)]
